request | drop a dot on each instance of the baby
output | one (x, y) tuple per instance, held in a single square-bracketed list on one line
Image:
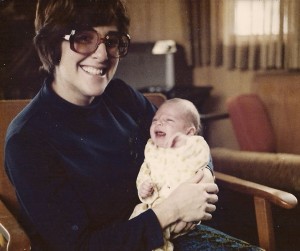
[(173, 154)]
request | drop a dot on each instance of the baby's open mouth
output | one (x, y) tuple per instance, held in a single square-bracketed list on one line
[(160, 133)]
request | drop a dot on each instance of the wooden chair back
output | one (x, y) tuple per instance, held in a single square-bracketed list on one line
[(8, 110), (156, 98)]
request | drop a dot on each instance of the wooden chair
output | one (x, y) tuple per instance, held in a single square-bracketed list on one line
[(10, 229), (18, 240), (155, 98)]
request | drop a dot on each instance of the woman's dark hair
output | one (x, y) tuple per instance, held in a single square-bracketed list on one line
[(54, 19)]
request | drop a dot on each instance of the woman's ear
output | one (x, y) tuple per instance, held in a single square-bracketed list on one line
[(191, 130)]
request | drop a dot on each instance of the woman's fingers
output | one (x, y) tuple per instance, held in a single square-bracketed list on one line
[(210, 208), (182, 226), (207, 216), (212, 198), (189, 226), (179, 227), (212, 188), (196, 178)]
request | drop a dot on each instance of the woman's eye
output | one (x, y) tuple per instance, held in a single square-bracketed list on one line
[(84, 38), (112, 42)]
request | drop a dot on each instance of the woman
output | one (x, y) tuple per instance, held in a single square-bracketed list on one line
[(74, 152)]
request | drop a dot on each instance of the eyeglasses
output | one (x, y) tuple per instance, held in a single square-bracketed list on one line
[(87, 41)]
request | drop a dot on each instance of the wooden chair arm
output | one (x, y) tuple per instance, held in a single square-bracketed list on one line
[(11, 230), (275, 196), (263, 196), (213, 116)]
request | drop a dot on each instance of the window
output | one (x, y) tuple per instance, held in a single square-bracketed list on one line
[(247, 34), (256, 17)]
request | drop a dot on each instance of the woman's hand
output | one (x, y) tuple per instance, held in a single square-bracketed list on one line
[(207, 177), (192, 201), (181, 227)]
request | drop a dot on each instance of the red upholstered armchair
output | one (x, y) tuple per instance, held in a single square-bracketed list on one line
[(266, 124)]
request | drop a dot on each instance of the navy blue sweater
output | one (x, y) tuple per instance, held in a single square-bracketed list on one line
[(74, 170)]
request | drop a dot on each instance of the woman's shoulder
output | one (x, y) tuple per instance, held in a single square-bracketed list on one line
[(125, 96), (122, 92), (25, 118)]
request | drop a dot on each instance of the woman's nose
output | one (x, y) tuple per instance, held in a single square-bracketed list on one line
[(101, 52)]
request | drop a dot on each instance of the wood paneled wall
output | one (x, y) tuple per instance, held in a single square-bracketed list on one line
[(153, 20)]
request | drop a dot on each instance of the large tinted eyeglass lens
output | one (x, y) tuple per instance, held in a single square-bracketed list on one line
[(85, 41), (117, 44)]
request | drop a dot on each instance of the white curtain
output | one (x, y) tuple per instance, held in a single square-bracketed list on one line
[(246, 34)]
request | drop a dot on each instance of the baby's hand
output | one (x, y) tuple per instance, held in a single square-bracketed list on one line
[(179, 139), (146, 189)]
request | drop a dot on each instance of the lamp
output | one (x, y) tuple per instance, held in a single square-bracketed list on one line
[(168, 48)]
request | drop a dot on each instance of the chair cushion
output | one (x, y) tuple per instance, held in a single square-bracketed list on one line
[(278, 170)]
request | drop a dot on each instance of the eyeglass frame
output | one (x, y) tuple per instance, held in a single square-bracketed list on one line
[(99, 41)]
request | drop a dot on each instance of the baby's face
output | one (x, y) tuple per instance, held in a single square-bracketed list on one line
[(167, 121)]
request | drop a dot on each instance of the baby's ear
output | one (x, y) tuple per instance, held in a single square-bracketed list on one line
[(191, 131)]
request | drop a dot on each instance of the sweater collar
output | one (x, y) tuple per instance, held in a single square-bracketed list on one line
[(50, 96)]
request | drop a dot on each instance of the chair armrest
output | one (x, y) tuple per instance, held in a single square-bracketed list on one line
[(263, 196), (213, 116), (12, 231), (277, 197)]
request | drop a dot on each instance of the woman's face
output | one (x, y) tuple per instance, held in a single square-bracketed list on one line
[(77, 78)]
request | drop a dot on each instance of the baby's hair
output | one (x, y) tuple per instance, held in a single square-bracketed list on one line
[(190, 111)]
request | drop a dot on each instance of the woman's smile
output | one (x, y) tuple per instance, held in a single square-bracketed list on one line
[(94, 70)]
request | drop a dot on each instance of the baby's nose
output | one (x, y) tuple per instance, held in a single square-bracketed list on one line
[(160, 122)]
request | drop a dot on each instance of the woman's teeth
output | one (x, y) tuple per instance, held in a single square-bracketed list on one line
[(93, 70)]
